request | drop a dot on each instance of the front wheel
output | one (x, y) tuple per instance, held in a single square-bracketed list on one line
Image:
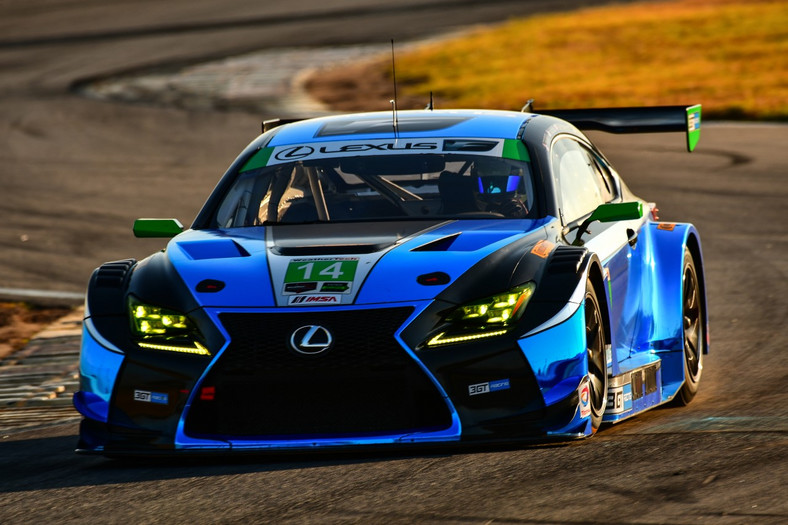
[(597, 364), (694, 323)]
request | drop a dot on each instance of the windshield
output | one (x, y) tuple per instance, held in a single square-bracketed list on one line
[(379, 187)]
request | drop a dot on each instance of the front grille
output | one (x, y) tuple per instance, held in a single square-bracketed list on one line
[(366, 384)]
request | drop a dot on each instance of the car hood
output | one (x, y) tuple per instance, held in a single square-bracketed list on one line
[(338, 263)]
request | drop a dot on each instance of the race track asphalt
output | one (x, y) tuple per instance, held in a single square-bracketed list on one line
[(75, 173)]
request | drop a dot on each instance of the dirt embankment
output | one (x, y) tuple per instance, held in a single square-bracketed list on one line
[(21, 321), (366, 86)]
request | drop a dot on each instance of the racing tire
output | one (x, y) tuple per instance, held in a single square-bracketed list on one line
[(595, 353), (693, 330)]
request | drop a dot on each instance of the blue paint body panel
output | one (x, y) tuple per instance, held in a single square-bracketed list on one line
[(557, 357), (98, 369), (247, 284), (475, 241)]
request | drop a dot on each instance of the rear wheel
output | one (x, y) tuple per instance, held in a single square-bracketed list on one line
[(597, 364), (692, 313)]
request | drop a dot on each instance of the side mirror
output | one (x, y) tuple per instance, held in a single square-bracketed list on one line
[(616, 211), (610, 212), (165, 228)]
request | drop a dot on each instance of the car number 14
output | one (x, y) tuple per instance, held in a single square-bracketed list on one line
[(321, 270)]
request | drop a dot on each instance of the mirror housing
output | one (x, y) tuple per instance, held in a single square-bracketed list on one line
[(616, 211), (161, 228)]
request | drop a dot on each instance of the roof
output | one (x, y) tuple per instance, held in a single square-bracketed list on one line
[(410, 124)]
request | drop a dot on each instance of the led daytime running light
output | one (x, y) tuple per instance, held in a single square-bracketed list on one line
[(440, 340), (196, 349)]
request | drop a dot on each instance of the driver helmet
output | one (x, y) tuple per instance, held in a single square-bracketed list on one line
[(496, 177)]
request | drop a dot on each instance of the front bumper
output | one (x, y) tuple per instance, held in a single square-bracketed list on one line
[(155, 403)]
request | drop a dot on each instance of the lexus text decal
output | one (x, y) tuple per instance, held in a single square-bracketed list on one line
[(291, 153)]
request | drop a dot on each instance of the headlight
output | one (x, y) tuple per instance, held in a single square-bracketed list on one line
[(157, 328), (488, 317)]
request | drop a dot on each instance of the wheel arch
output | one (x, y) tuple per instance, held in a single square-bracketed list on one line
[(693, 244), (668, 242)]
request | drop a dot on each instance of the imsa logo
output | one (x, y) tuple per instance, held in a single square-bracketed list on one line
[(311, 300)]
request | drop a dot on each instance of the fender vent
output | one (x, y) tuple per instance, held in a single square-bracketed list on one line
[(112, 274), (566, 259)]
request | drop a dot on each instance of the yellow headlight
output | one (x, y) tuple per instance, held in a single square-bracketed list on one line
[(154, 320), (491, 316), (500, 309), (159, 328)]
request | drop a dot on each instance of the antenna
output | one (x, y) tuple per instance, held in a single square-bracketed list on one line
[(431, 105), (529, 106), (394, 101)]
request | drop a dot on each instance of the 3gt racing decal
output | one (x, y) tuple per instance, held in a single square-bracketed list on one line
[(489, 386), (151, 397), (619, 399)]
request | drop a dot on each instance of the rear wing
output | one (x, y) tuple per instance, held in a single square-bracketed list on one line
[(651, 119)]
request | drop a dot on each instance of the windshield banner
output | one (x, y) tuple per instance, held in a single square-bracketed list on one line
[(355, 148)]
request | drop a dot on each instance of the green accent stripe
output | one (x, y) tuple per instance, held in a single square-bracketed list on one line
[(258, 160), (515, 149)]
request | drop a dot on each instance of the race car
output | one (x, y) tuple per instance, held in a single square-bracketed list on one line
[(405, 278)]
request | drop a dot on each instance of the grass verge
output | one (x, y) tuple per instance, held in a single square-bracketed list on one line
[(729, 55)]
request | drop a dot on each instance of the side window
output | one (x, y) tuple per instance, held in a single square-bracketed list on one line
[(581, 181), (605, 181)]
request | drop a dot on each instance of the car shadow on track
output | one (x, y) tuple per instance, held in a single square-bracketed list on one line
[(51, 463)]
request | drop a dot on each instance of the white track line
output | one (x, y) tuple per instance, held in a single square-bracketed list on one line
[(41, 294)]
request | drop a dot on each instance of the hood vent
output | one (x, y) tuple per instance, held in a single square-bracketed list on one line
[(330, 249), (438, 245), (213, 249), (466, 241)]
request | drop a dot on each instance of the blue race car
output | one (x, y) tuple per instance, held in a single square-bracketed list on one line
[(384, 279)]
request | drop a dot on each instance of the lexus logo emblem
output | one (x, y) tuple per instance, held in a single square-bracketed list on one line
[(311, 340), (295, 153)]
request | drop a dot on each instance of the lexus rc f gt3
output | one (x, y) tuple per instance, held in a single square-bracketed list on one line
[(384, 279)]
